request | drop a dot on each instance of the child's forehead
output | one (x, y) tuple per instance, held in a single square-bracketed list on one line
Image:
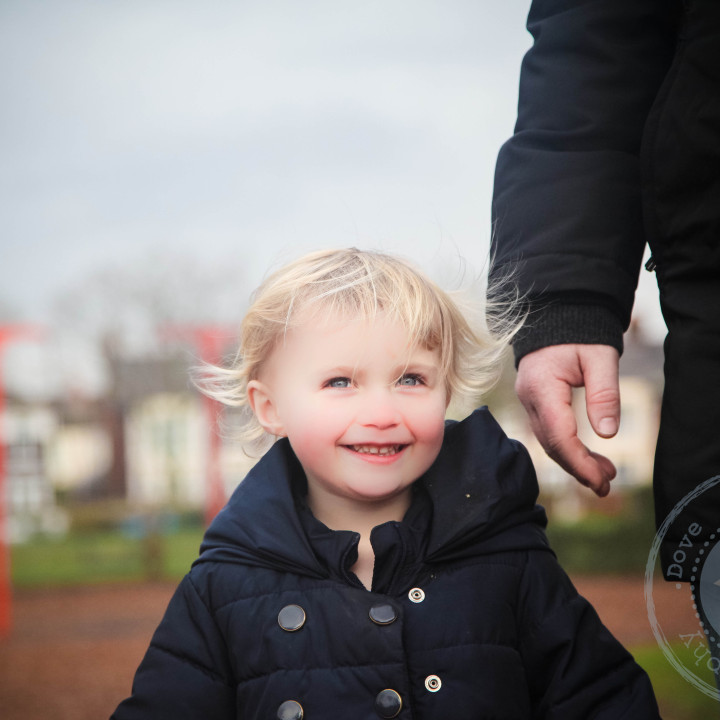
[(329, 321), (349, 334), (323, 323)]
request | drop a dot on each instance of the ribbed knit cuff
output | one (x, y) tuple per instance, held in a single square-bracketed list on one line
[(556, 324)]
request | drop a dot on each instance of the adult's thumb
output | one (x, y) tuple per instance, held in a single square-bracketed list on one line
[(602, 391)]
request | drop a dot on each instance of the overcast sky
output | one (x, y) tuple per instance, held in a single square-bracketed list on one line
[(241, 133)]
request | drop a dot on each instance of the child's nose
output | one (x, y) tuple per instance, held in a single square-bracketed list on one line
[(379, 410)]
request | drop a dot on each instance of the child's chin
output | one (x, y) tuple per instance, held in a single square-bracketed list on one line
[(379, 492)]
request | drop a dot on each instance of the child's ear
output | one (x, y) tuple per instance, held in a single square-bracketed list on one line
[(264, 408)]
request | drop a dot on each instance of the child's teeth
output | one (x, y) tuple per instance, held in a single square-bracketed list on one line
[(375, 450)]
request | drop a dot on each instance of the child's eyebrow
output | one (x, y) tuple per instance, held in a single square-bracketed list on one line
[(419, 365), (339, 370), (427, 369)]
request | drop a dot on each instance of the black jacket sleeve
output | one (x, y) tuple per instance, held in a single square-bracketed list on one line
[(185, 673), (576, 669), (567, 213)]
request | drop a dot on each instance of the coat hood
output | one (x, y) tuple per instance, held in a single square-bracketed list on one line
[(482, 489)]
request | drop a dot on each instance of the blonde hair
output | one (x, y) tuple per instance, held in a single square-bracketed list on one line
[(351, 283)]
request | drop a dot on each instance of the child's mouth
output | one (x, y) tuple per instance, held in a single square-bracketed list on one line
[(382, 450)]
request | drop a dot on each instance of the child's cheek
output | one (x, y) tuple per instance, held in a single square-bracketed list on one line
[(309, 444), (430, 427)]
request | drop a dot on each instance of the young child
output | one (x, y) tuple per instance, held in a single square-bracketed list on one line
[(377, 561)]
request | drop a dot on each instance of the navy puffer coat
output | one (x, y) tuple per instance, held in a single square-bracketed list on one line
[(469, 616)]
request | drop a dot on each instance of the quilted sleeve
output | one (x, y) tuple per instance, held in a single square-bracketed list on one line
[(185, 673), (576, 669)]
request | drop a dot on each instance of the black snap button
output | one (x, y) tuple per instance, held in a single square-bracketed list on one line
[(383, 614), (388, 704), (291, 618), (290, 710)]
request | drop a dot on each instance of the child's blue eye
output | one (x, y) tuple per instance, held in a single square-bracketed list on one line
[(410, 380), (339, 382)]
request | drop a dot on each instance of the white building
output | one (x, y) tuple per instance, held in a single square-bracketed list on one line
[(27, 433)]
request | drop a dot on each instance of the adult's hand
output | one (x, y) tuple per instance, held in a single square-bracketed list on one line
[(544, 385)]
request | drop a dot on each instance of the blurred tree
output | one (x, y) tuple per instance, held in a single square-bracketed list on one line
[(125, 308)]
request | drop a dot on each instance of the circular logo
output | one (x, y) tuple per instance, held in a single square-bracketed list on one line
[(709, 589), (687, 627)]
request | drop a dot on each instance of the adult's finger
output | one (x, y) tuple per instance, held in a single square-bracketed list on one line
[(544, 385)]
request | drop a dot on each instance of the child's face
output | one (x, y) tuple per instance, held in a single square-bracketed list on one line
[(364, 416)]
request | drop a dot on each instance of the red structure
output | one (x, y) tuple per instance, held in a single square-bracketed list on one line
[(209, 342), (8, 334)]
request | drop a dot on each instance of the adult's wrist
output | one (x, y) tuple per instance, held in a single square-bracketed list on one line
[(560, 324)]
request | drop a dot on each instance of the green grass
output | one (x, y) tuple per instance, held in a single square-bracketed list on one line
[(103, 556), (601, 544), (96, 551), (677, 698), (619, 548)]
